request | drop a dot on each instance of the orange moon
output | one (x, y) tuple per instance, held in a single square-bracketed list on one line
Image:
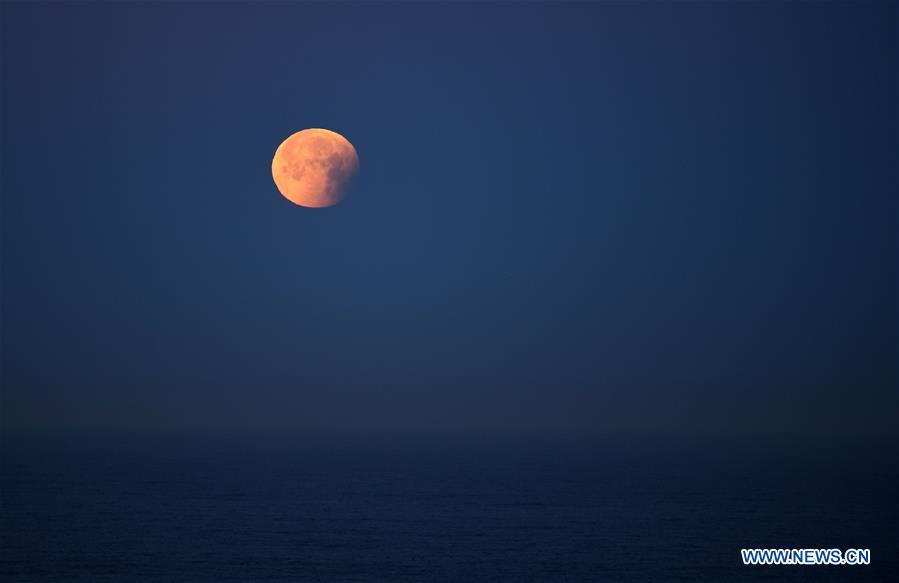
[(313, 168)]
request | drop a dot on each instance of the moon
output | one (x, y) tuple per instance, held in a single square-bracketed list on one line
[(313, 168)]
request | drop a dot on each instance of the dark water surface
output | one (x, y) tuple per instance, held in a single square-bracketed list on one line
[(438, 515)]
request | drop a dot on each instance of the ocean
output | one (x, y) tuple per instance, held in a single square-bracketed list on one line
[(439, 514)]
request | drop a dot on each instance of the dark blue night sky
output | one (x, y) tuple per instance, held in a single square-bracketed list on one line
[(572, 219)]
